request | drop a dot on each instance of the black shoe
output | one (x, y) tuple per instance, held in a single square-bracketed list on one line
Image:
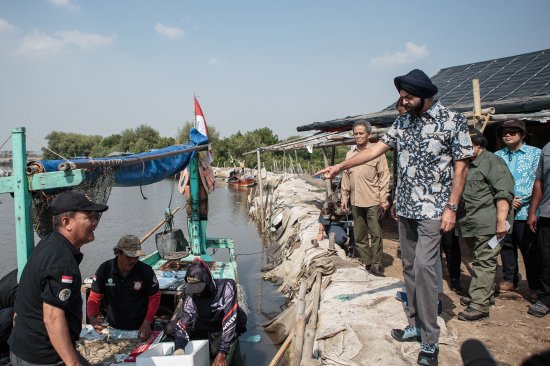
[(398, 255), (439, 307), (409, 334), (428, 354), (471, 314), (465, 301), (377, 271)]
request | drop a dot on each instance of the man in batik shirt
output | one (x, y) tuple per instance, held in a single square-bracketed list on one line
[(433, 148), (522, 160)]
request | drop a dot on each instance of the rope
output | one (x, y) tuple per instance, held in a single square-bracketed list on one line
[(46, 148), (142, 174), (9, 137), (263, 251)]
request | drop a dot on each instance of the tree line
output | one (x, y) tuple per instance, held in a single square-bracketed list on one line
[(228, 152)]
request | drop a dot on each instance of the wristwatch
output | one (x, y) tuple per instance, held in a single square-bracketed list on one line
[(452, 206)]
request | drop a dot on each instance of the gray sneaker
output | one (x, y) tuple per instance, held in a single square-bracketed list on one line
[(409, 334), (538, 309), (428, 354)]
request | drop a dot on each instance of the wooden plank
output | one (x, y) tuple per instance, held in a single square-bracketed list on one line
[(42, 181)]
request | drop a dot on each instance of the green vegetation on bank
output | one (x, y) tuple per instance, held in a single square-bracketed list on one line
[(227, 151)]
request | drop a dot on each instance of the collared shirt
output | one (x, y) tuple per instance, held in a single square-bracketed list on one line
[(51, 276), (426, 147), (543, 173), (488, 180), (125, 297), (366, 184), (522, 164)]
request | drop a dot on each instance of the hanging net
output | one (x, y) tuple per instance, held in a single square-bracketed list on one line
[(97, 187)]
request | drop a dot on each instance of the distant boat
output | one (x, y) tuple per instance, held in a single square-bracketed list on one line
[(236, 179)]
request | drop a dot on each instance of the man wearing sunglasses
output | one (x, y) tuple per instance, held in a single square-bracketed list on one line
[(522, 160)]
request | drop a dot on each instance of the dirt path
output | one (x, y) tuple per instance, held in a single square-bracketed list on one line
[(510, 333)]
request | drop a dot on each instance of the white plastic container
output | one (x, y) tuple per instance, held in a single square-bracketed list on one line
[(196, 354)]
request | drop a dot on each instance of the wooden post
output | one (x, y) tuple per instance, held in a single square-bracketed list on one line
[(312, 324), (331, 241), (24, 236), (261, 184), (300, 325), (327, 182), (477, 101)]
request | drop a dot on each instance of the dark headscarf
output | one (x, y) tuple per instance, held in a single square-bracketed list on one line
[(416, 83)]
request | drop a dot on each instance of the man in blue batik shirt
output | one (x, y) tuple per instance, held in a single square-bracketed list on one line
[(433, 147), (522, 160)]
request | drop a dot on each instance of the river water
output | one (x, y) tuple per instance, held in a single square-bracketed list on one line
[(129, 213)]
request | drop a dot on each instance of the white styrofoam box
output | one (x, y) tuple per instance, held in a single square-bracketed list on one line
[(196, 354)]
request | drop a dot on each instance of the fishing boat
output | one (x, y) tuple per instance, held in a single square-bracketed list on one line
[(34, 186), (238, 180)]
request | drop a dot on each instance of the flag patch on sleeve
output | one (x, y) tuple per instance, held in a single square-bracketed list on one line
[(67, 279)]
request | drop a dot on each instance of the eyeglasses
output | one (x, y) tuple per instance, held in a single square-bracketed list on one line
[(510, 132)]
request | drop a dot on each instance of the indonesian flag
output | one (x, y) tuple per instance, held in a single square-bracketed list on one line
[(200, 125)]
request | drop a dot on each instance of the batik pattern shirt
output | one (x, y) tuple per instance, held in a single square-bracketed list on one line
[(522, 164), (426, 147)]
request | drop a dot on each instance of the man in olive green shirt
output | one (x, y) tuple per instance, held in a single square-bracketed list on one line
[(483, 212)]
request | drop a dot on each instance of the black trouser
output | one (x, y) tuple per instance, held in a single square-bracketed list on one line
[(542, 253), (453, 256), (521, 238), (6, 325)]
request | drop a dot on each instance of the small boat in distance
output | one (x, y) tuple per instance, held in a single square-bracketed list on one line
[(237, 179)]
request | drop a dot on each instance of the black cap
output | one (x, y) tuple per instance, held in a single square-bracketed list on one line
[(196, 277), (512, 124), (416, 83), (75, 201)]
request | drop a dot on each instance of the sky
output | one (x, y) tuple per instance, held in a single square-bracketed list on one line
[(99, 67)]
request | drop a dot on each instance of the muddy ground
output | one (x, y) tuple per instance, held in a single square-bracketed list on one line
[(510, 333)]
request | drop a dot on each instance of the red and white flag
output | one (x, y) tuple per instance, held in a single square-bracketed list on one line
[(66, 279), (200, 125)]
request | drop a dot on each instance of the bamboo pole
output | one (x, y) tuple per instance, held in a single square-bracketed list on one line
[(327, 182), (300, 325), (260, 180), (331, 241), (282, 349), (477, 100), (158, 225), (312, 324)]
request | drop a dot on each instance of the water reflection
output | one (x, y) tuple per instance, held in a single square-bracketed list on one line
[(129, 213)]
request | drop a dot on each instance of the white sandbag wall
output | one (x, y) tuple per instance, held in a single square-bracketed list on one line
[(357, 310)]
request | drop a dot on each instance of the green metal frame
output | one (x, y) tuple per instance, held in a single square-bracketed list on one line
[(22, 185)]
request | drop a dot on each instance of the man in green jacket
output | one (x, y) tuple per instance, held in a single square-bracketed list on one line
[(483, 213)]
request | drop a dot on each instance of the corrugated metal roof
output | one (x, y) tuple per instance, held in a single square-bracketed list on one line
[(515, 84)]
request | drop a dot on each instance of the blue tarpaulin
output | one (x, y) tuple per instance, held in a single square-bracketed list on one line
[(143, 172)]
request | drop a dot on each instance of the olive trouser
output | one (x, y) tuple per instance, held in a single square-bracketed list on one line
[(484, 267), (365, 224)]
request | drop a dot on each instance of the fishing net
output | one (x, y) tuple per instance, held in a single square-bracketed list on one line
[(97, 187)]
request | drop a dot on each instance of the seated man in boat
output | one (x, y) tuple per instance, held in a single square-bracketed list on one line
[(128, 289), (8, 292), (210, 311)]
